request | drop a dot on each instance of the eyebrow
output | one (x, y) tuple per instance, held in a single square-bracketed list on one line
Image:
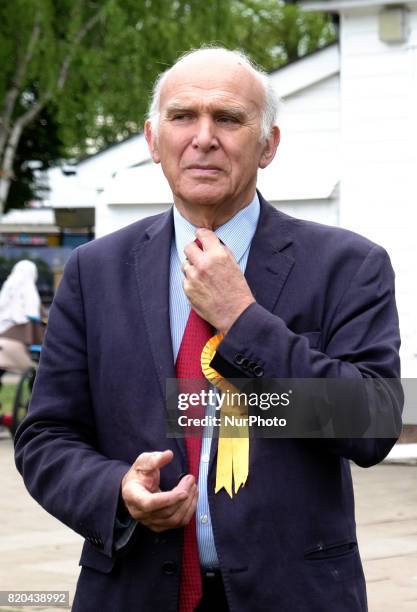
[(172, 109), (232, 111)]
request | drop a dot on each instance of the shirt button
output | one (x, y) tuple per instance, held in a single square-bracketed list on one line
[(204, 518), (205, 457)]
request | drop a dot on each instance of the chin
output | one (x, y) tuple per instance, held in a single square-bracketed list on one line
[(201, 196)]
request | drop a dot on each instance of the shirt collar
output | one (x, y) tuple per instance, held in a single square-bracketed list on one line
[(237, 233)]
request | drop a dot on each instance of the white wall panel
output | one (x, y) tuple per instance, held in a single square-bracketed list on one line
[(379, 157)]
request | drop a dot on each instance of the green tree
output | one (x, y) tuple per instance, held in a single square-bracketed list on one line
[(39, 148), (91, 63)]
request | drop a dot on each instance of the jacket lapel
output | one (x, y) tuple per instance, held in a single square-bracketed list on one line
[(268, 265), (152, 264)]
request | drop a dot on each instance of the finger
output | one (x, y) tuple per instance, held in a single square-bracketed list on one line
[(179, 518), (166, 513), (176, 511), (193, 253), (186, 482), (143, 504), (189, 510), (184, 506), (228, 251), (188, 287), (191, 274), (147, 462), (165, 499), (147, 502), (186, 268), (184, 491), (208, 238), (147, 468)]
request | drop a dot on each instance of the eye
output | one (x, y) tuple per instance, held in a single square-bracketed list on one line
[(181, 117), (227, 119)]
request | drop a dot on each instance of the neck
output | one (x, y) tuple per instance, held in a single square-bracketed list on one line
[(209, 216)]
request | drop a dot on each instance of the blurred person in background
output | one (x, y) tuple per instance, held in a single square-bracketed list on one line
[(20, 310)]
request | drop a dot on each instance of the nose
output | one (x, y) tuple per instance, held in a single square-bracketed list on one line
[(205, 135)]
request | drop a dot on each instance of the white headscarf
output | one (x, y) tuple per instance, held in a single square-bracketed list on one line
[(19, 297)]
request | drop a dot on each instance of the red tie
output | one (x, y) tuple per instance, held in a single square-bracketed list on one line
[(196, 334)]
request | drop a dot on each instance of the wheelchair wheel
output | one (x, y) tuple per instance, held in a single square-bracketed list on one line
[(22, 398)]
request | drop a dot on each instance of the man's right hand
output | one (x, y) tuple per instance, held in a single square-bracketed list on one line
[(158, 510)]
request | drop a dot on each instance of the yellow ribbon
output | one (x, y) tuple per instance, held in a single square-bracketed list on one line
[(233, 450)]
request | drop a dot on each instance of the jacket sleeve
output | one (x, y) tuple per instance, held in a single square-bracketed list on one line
[(361, 341), (56, 449)]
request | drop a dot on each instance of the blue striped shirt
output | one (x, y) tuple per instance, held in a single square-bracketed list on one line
[(237, 235)]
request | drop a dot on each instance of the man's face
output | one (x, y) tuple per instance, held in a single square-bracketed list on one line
[(208, 140)]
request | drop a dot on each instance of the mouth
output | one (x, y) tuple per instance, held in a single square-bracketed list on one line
[(204, 169)]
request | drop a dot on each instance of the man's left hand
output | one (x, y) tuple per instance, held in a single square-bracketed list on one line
[(214, 284)]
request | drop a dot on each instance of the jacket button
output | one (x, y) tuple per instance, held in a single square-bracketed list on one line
[(245, 363), (239, 358), (169, 568), (251, 366), (258, 371)]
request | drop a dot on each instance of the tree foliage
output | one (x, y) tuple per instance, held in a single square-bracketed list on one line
[(39, 148), (91, 63)]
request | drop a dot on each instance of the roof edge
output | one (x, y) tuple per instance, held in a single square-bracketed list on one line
[(338, 6), (307, 71)]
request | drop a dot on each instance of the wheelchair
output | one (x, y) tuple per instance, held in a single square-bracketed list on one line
[(26, 379)]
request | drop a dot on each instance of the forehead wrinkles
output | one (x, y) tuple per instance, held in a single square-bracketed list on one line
[(210, 102), (205, 86)]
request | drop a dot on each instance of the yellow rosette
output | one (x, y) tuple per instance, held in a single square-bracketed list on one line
[(233, 449)]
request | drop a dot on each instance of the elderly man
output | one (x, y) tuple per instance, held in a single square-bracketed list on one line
[(291, 298)]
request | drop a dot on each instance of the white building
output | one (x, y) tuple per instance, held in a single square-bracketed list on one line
[(347, 156), (378, 132)]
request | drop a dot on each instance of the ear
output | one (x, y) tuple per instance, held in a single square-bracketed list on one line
[(270, 147), (152, 141)]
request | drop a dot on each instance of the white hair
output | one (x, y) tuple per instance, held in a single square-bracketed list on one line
[(271, 102)]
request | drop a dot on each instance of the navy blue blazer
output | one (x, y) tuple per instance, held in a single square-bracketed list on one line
[(325, 307)]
